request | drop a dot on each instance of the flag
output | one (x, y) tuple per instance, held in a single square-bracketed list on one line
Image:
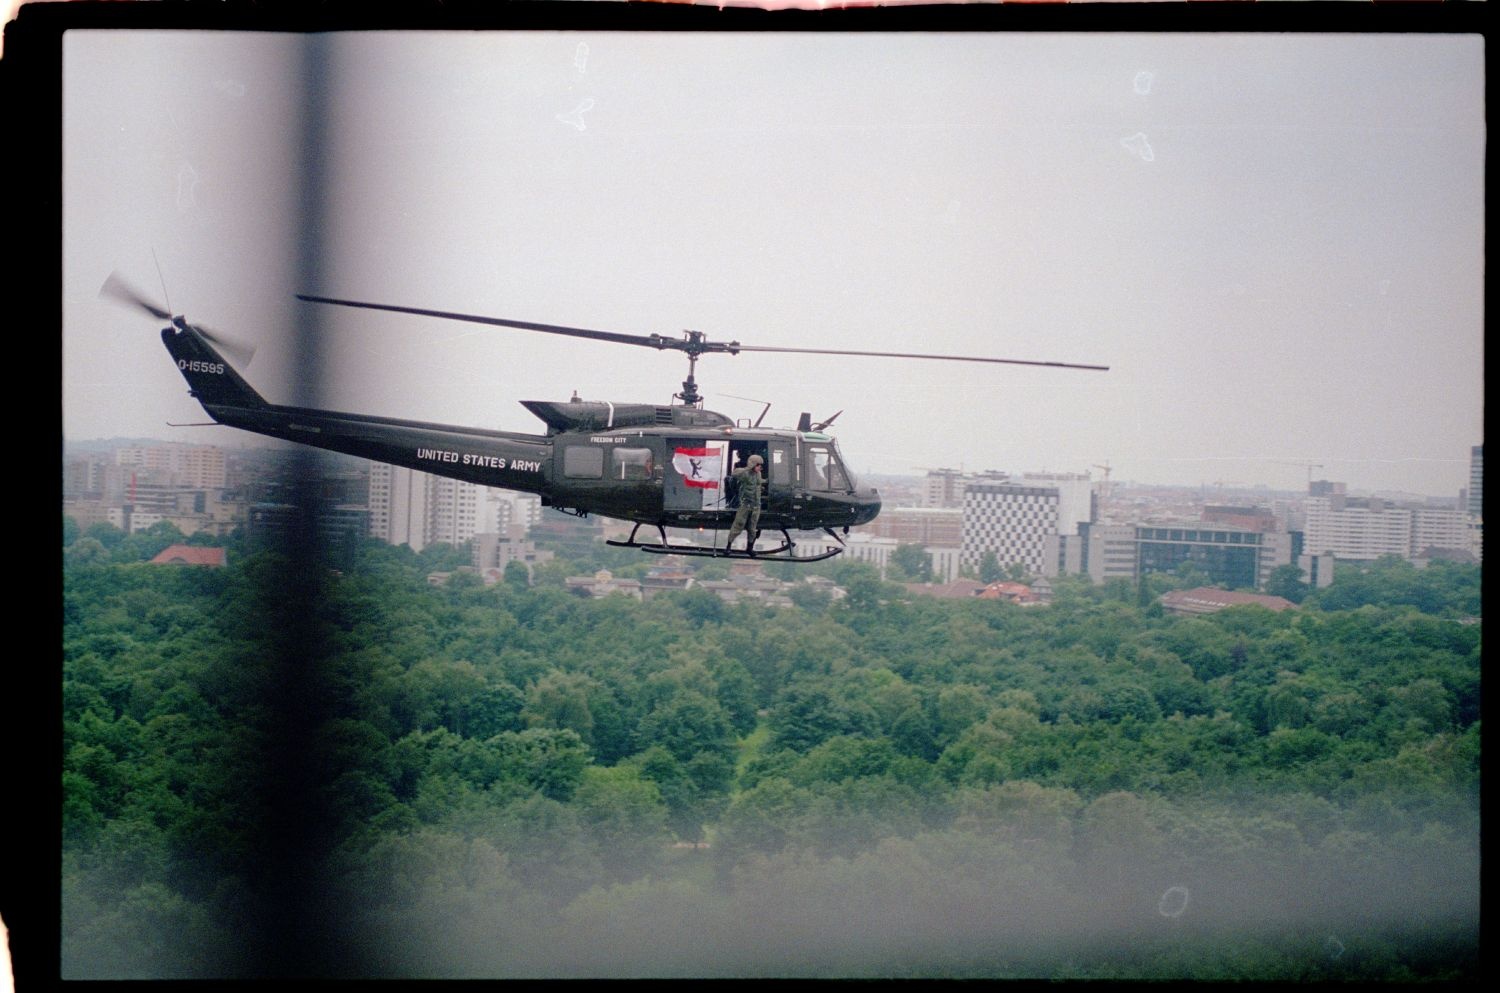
[(699, 468)]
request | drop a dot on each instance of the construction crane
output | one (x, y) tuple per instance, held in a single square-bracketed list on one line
[(1104, 490), (1309, 466)]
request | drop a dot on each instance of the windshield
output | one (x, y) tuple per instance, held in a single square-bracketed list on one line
[(825, 470)]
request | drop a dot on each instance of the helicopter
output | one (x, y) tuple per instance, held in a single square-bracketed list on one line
[(654, 466)]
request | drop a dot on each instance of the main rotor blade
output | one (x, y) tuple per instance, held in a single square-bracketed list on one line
[(650, 341), (913, 355), (122, 292), (695, 344)]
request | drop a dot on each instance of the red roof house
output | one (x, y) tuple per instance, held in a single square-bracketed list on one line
[(1206, 600), (191, 555)]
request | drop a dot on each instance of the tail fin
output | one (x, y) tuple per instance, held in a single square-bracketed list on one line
[(211, 379)]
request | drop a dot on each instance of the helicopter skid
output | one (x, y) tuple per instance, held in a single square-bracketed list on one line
[(781, 553)]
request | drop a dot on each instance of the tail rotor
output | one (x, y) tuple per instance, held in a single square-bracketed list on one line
[(117, 289)]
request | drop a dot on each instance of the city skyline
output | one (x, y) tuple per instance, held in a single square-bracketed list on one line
[(239, 440), (1275, 241)]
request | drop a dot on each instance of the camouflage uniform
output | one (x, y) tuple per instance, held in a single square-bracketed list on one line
[(747, 518)]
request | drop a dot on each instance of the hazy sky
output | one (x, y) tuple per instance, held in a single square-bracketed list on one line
[(1275, 241)]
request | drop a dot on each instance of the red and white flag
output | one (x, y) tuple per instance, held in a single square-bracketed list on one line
[(700, 468)]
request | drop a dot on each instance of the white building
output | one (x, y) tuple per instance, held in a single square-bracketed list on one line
[(943, 488), (1435, 527), (494, 551), (414, 508), (1353, 528), (1014, 520), (191, 466), (526, 508), (946, 563), (1102, 551)]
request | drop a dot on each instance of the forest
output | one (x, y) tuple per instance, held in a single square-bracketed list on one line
[(515, 781)]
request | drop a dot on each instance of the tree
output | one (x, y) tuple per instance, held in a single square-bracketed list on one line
[(517, 575), (550, 761), (87, 550), (554, 573), (443, 557), (146, 545), (909, 564), (684, 797), (1286, 581), (989, 568), (810, 711), (912, 735), (687, 724), (624, 812), (958, 707), (561, 700), (701, 606), (107, 534), (1190, 575), (810, 598), (494, 709)]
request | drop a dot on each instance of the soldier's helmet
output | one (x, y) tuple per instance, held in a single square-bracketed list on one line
[(756, 460)]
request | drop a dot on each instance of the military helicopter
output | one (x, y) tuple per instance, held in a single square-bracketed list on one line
[(655, 466)]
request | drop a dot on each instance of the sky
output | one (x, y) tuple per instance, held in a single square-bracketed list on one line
[(1274, 241)]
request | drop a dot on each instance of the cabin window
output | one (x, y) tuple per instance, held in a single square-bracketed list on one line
[(780, 466), (583, 462), (632, 463), (824, 470)]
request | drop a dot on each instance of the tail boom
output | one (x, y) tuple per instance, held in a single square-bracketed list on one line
[(491, 458)]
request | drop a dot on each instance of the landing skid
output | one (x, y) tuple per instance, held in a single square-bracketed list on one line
[(781, 553)]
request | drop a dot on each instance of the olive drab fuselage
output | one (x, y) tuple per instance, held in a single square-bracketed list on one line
[(643, 475), (652, 465)]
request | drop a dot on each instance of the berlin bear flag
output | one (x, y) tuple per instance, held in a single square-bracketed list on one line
[(699, 467)]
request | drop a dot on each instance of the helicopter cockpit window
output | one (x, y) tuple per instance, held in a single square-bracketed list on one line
[(824, 470), (632, 463), (583, 462)]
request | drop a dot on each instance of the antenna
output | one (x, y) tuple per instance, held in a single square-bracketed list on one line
[(164, 294), (765, 410)]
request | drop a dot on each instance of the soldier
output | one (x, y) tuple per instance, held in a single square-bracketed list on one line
[(747, 518)]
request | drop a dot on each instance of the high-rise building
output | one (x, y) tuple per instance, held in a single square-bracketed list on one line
[(943, 488), (1238, 558), (1476, 481), (1014, 519), (525, 508), (408, 507), (398, 505), (339, 530), (1364, 528), (84, 474), (1356, 528), (173, 463), (1438, 528)]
